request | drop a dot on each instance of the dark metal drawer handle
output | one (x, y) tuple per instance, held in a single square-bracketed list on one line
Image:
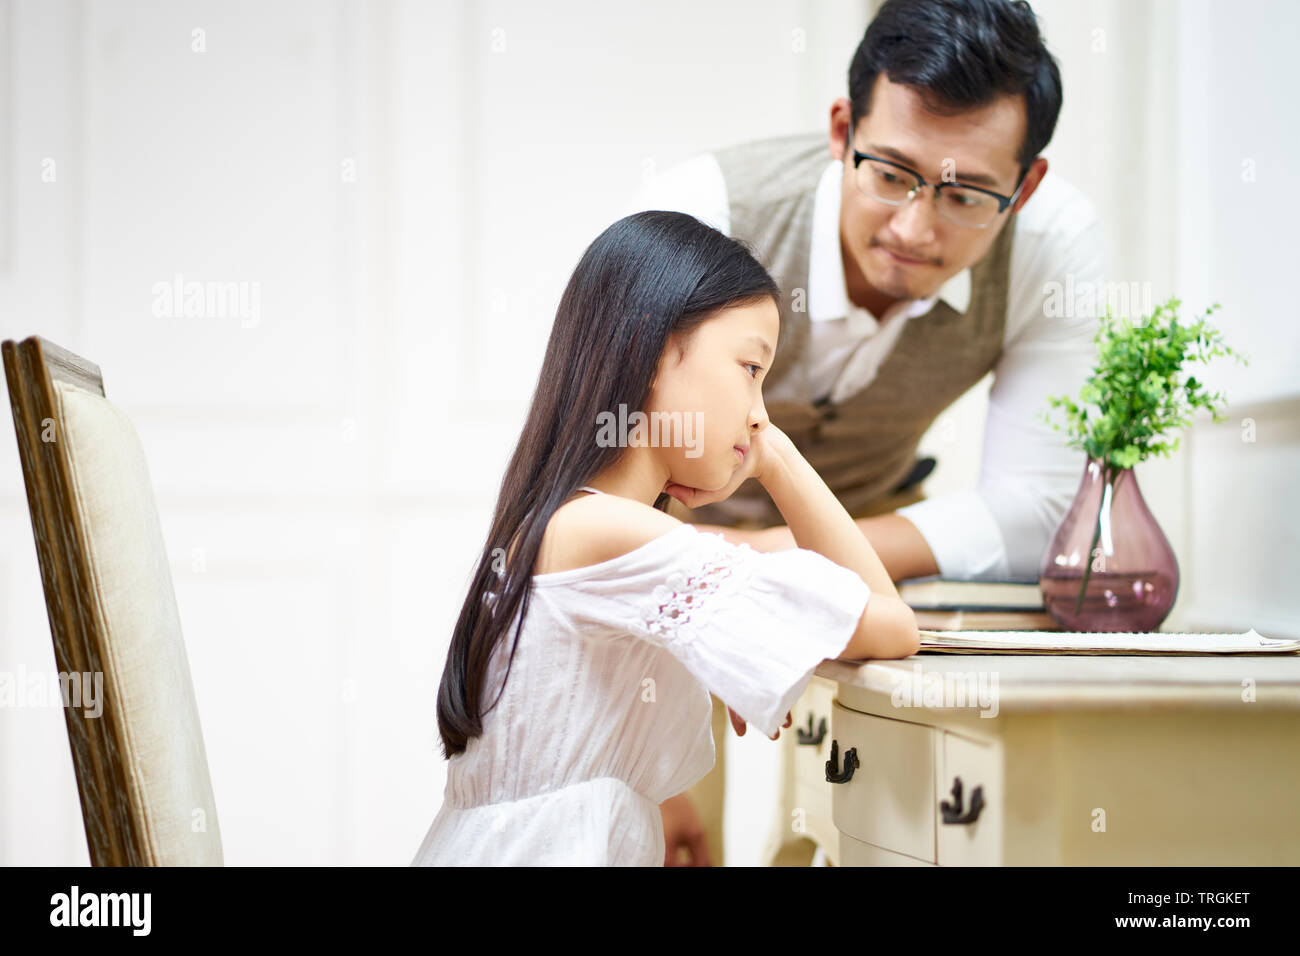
[(810, 737), (833, 773), (952, 811)]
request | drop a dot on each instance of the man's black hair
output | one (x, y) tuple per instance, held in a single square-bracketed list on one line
[(961, 54)]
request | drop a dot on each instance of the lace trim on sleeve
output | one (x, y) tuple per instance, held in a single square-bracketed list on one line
[(679, 608)]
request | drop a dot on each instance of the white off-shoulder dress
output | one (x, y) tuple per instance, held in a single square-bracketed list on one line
[(607, 713)]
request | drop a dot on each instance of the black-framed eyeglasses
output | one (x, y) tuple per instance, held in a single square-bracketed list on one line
[(959, 203)]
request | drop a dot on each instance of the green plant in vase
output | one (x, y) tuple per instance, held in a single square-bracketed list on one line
[(1139, 398)]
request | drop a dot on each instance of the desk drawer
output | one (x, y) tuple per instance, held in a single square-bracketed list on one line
[(976, 766), (889, 800), (813, 708)]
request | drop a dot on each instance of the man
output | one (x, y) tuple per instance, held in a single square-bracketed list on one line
[(913, 263)]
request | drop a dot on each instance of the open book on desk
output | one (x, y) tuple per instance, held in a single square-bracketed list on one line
[(1074, 642)]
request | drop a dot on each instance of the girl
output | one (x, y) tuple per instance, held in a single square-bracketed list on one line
[(623, 619)]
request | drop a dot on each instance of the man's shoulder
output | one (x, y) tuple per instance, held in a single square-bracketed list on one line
[(1058, 238), (772, 154), (777, 167), (694, 186), (1057, 208), (706, 184), (791, 144)]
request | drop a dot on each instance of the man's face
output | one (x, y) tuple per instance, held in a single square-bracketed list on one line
[(908, 251)]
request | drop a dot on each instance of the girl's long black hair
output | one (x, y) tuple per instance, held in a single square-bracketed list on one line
[(648, 276)]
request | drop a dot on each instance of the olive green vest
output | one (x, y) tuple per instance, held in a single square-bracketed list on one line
[(866, 445)]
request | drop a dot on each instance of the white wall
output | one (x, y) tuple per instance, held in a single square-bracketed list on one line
[(325, 474), (1239, 138)]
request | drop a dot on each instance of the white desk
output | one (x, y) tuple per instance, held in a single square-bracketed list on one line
[(1090, 760)]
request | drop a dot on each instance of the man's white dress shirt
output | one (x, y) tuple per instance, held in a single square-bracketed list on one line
[(1028, 476)]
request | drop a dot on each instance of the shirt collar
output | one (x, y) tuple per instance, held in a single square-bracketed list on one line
[(828, 296)]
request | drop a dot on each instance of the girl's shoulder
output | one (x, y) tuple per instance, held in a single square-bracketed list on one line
[(594, 529)]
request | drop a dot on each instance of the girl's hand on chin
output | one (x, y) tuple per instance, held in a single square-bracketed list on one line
[(751, 467)]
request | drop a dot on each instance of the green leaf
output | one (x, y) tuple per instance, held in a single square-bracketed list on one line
[(1136, 398)]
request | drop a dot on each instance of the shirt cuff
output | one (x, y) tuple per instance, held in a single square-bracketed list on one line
[(962, 533)]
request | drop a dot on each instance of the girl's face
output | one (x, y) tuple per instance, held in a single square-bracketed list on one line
[(715, 391)]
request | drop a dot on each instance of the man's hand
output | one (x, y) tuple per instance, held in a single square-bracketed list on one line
[(682, 830)]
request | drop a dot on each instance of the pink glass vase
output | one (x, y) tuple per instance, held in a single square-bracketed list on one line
[(1109, 567)]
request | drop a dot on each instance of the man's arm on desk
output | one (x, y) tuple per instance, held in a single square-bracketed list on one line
[(902, 549)]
